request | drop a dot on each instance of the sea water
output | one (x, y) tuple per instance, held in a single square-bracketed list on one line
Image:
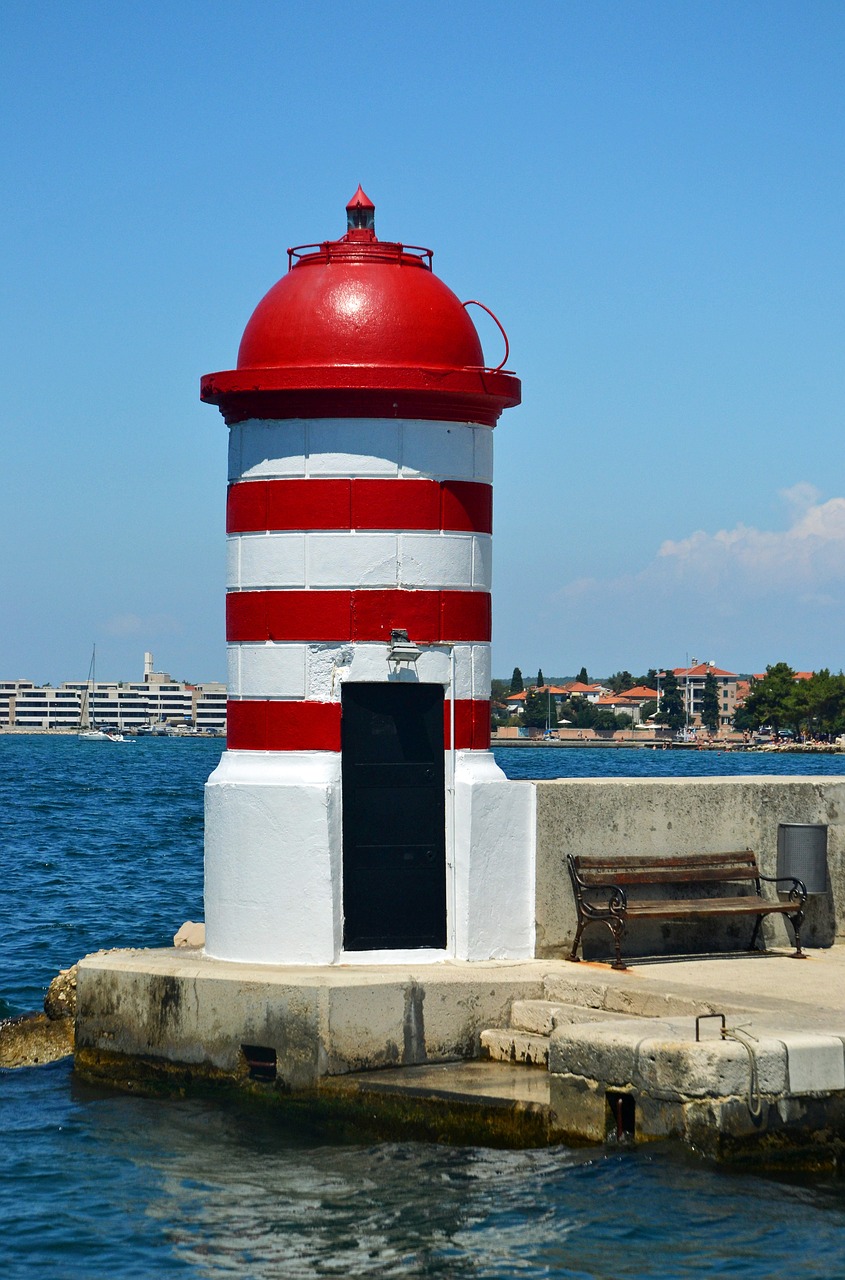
[(101, 846)]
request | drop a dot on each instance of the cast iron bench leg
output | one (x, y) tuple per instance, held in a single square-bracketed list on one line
[(573, 955)]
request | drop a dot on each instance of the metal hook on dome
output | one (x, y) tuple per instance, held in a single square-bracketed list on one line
[(473, 302)]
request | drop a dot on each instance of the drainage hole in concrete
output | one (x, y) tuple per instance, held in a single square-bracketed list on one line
[(261, 1062), (621, 1117)]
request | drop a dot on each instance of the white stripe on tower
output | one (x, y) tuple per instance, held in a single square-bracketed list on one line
[(417, 561), (348, 447)]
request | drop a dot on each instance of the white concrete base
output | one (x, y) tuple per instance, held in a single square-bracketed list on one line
[(273, 858), (273, 862), (494, 861)]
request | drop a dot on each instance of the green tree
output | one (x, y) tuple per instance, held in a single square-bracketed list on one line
[(743, 720), (710, 702), (580, 713), (541, 684), (648, 709), (823, 699), (771, 700), (582, 677), (499, 689), (671, 702), (516, 681), (536, 710), (620, 681), (807, 702)]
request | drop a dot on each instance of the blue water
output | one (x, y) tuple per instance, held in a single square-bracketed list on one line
[(642, 762), (102, 846)]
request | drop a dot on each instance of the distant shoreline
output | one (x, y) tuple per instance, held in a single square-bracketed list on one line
[(554, 744), (24, 731)]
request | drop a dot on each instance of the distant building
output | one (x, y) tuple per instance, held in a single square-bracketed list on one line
[(691, 684), (796, 675), (590, 692), (158, 703), (558, 693), (629, 702)]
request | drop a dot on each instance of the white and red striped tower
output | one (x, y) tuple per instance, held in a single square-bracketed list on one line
[(357, 812)]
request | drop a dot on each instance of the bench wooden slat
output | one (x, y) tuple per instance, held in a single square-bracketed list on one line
[(751, 904), (646, 862), (700, 875)]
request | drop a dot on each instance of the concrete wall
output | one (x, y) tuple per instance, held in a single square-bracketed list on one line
[(676, 816)]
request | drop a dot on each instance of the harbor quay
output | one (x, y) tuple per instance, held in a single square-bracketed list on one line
[(741, 1058), (739, 1054)]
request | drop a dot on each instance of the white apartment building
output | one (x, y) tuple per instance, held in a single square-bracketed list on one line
[(691, 684), (156, 704)]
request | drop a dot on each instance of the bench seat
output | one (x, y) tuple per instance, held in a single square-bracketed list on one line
[(601, 886)]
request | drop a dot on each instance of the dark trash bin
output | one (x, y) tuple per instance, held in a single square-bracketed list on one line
[(802, 852)]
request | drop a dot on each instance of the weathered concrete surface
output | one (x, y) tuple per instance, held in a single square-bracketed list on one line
[(775, 1094), (666, 816), (175, 1019), (181, 1006), (482, 1103)]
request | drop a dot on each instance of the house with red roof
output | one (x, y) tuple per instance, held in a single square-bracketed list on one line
[(691, 683), (592, 692), (629, 702), (558, 692)]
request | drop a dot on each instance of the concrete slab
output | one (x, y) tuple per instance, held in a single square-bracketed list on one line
[(179, 1006), (493, 1082), (810, 990), (491, 1104), (815, 1063)]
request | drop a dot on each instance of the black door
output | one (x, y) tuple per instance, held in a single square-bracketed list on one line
[(394, 817)]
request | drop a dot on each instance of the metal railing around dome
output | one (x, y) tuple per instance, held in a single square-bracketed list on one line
[(385, 249)]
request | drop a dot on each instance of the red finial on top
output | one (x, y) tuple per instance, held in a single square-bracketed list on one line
[(361, 212)]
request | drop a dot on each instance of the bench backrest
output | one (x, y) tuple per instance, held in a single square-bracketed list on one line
[(696, 867)]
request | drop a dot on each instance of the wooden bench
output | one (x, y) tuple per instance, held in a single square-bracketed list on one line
[(602, 893)]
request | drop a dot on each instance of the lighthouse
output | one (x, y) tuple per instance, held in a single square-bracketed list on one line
[(357, 814)]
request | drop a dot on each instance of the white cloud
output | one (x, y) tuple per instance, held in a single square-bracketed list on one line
[(806, 555), (744, 595)]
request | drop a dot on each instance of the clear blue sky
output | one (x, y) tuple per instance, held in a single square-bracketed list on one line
[(650, 195)]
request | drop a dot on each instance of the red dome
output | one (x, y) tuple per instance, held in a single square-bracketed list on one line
[(380, 305), (360, 327)]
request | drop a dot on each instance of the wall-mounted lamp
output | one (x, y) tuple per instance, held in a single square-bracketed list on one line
[(401, 648)]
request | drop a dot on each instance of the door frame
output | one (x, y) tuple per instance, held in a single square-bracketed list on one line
[(419, 954)]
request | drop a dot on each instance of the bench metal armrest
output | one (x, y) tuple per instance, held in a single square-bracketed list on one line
[(616, 905), (797, 893), (617, 900)]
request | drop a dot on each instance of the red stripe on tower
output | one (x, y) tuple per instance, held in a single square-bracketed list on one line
[(261, 505), (315, 726), (432, 617)]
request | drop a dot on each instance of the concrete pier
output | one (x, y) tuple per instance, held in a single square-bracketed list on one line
[(505, 1053)]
